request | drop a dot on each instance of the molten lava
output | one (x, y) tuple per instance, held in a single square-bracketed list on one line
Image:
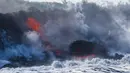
[(33, 24), (36, 26)]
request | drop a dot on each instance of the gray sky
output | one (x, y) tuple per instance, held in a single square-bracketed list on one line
[(74, 1), (54, 0)]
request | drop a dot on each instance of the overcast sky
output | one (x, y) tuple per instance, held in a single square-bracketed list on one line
[(54, 0), (74, 1)]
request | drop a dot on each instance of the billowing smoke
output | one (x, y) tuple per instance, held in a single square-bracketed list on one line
[(66, 28), (9, 6), (12, 50), (91, 22), (32, 36), (105, 25), (64, 23), (33, 39)]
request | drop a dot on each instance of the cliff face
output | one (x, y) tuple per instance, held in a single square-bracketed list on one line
[(8, 25)]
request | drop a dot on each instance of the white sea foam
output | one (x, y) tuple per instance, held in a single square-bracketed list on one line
[(95, 65)]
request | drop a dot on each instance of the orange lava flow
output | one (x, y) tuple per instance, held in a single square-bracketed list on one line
[(33, 24)]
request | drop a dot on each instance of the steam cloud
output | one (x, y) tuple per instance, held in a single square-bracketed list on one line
[(65, 23)]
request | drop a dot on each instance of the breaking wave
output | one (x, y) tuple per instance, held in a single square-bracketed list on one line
[(95, 65)]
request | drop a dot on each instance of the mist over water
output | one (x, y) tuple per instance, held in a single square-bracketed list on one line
[(64, 23)]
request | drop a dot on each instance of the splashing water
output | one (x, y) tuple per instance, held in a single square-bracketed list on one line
[(92, 66)]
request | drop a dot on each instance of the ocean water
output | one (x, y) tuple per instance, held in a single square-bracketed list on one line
[(95, 65)]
